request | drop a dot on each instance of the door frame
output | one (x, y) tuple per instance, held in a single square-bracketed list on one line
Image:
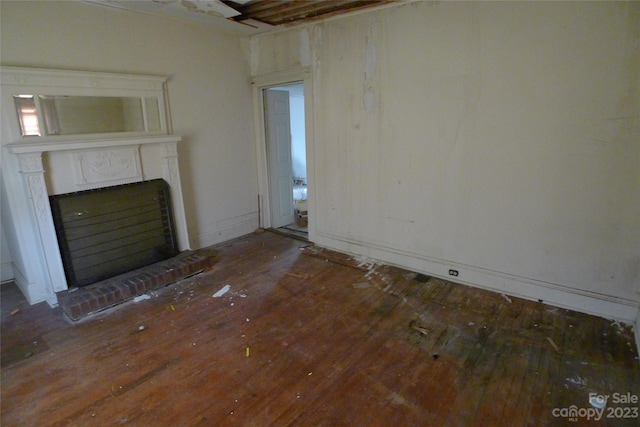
[(266, 81)]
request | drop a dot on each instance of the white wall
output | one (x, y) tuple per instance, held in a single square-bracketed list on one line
[(6, 266), (209, 92), (499, 139)]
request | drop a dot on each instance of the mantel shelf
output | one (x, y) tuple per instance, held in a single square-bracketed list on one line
[(83, 144)]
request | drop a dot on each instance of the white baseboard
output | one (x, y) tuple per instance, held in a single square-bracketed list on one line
[(608, 307), (222, 231), (23, 285), (30, 290), (6, 272)]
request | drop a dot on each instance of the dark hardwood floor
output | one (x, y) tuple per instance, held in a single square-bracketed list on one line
[(308, 337)]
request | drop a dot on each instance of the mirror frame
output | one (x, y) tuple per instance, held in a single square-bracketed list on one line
[(36, 81)]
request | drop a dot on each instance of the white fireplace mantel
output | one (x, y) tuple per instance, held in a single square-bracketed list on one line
[(127, 153), (66, 144), (68, 153)]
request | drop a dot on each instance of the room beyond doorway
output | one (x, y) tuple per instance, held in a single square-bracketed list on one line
[(284, 116)]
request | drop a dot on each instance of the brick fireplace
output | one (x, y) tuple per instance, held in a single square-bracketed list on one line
[(98, 296)]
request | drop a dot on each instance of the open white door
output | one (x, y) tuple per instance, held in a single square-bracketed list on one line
[(278, 132)]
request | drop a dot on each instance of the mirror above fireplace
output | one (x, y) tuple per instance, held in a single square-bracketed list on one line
[(48, 104), (42, 115)]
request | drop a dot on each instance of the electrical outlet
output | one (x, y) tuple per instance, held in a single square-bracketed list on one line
[(453, 273)]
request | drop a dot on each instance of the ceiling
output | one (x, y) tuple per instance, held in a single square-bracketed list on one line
[(278, 12), (244, 16)]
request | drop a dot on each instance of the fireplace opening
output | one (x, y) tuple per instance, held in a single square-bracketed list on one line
[(109, 231)]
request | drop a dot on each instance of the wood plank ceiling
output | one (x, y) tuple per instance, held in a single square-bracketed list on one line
[(279, 12)]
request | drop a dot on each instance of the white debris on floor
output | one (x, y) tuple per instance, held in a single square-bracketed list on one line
[(222, 291)]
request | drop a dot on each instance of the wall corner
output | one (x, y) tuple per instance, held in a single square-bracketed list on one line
[(636, 331)]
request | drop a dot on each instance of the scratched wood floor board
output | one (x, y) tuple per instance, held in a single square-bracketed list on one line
[(350, 342), (503, 386), (374, 383), (333, 340)]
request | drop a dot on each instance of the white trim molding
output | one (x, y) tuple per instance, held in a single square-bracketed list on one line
[(608, 307), (264, 81)]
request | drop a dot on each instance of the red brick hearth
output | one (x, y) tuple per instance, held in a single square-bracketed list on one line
[(79, 302)]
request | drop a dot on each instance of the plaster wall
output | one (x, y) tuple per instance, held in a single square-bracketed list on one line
[(500, 140), (209, 94)]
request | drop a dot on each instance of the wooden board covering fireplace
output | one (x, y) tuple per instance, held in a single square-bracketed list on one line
[(113, 230)]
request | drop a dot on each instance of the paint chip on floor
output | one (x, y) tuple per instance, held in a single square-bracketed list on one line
[(361, 285), (222, 291), (506, 298)]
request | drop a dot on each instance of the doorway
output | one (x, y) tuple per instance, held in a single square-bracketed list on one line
[(284, 118)]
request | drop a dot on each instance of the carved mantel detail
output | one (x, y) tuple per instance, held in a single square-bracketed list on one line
[(32, 170), (106, 167), (171, 174), (31, 163)]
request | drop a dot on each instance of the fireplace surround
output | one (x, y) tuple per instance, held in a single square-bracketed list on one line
[(37, 167)]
